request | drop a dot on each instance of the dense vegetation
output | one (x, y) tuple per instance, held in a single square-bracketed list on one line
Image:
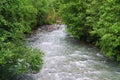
[(96, 21), (18, 17)]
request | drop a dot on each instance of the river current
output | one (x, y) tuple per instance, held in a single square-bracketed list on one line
[(66, 58)]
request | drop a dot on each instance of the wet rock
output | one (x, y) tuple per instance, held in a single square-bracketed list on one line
[(50, 27)]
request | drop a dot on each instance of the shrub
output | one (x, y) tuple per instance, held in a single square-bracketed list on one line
[(95, 21), (108, 30), (16, 18)]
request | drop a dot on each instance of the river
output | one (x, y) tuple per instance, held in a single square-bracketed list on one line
[(66, 58)]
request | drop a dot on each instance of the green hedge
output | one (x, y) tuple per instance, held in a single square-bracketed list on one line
[(96, 21)]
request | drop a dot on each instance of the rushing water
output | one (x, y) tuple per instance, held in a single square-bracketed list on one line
[(68, 59)]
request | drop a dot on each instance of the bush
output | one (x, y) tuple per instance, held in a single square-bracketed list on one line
[(108, 30), (95, 21), (16, 18), (74, 15), (17, 59)]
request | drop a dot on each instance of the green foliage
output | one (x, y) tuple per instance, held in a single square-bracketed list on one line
[(43, 10), (96, 21), (18, 17), (108, 29), (53, 14), (16, 59), (74, 15)]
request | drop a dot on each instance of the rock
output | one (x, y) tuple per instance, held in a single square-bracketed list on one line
[(50, 27)]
